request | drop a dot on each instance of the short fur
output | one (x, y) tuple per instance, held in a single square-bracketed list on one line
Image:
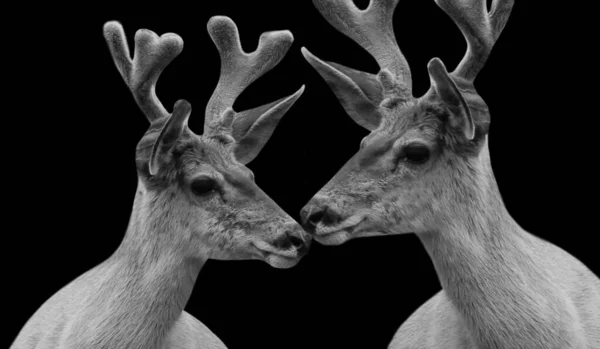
[(135, 299), (503, 288)]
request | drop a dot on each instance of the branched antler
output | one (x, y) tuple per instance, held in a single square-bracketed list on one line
[(152, 54), (367, 98), (372, 29), (480, 28), (239, 69), (249, 129)]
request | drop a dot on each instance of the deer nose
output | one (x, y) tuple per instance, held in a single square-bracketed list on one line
[(293, 238), (313, 214)]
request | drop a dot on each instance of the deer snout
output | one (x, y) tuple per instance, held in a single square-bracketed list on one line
[(316, 212), (293, 237)]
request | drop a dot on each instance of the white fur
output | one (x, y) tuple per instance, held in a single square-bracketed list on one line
[(134, 299), (503, 288)]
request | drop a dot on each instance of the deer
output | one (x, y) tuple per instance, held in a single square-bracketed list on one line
[(424, 168), (195, 200)]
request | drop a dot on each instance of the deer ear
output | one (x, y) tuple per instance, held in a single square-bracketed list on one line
[(359, 93), (169, 134), (252, 128), (447, 91)]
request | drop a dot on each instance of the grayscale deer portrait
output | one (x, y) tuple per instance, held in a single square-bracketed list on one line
[(425, 168), (196, 200)]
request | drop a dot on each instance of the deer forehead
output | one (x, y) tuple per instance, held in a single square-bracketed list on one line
[(413, 123), (380, 142), (209, 155)]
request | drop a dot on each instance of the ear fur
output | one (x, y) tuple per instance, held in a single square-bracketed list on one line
[(169, 135), (448, 92), (359, 93), (252, 128)]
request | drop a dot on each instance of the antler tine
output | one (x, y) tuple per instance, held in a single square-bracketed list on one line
[(239, 69), (480, 28), (372, 29), (152, 54)]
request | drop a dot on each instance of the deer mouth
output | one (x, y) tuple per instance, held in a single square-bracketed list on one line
[(340, 233), (281, 262), (278, 258), (333, 238), (357, 226)]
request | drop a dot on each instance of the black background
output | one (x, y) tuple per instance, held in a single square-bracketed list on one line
[(76, 126)]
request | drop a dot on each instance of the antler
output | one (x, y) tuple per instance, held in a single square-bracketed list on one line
[(372, 29), (239, 69), (480, 28), (152, 54)]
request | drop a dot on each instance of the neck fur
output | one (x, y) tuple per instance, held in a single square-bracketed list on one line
[(149, 281), (485, 265)]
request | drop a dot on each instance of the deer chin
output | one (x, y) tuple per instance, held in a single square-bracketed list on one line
[(277, 258)]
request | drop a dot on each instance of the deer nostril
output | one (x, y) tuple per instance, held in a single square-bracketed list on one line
[(330, 217), (283, 242), (296, 241), (315, 217), (325, 215), (289, 240), (310, 219)]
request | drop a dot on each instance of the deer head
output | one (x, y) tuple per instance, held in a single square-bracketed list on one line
[(197, 187), (424, 156)]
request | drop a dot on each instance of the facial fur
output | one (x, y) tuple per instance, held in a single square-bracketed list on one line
[(379, 191), (233, 220)]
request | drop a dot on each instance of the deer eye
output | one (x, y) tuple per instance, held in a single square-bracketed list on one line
[(416, 153), (203, 185)]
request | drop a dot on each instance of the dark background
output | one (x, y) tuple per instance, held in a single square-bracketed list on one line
[(73, 178)]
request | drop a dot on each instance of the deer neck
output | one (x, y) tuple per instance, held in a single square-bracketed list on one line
[(150, 279), (484, 262)]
